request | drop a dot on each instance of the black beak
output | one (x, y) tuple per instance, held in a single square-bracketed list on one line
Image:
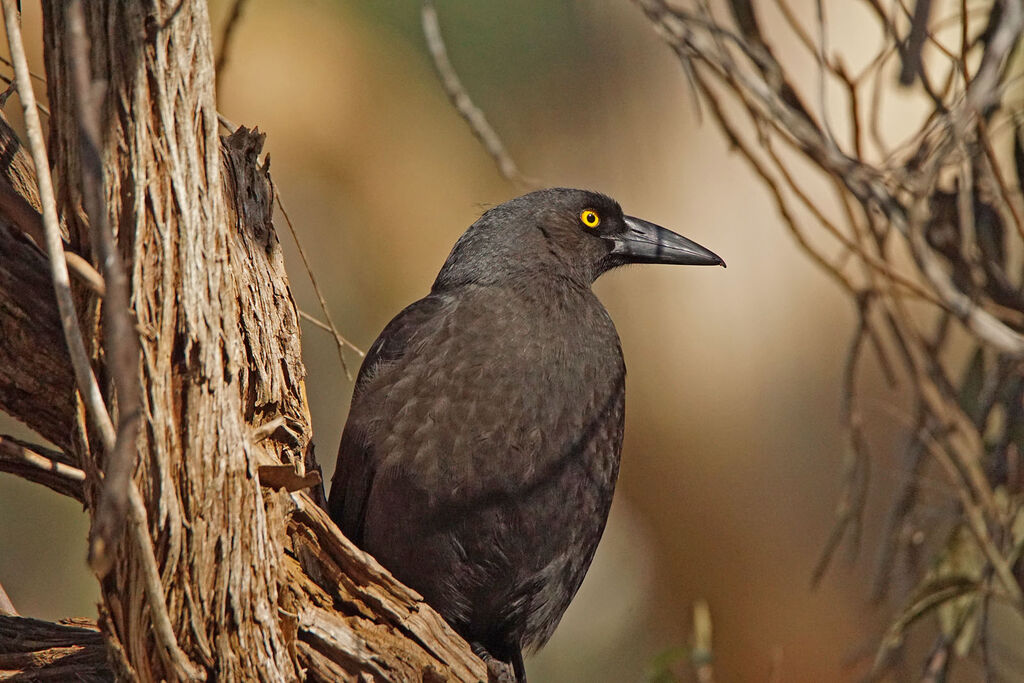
[(645, 242)]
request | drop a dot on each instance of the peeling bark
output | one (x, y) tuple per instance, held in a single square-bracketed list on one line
[(257, 582)]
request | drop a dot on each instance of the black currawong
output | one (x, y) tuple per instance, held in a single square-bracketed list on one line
[(481, 451)]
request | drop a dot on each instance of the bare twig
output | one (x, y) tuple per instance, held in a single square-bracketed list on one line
[(316, 322), (984, 89), (339, 340), (1008, 198), (937, 666), (822, 55), (122, 342), (462, 102), (931, 225), (86, 274), (912, 65), (850, 508), (27, 219), (976, 523), (32, 74), (42, 466), (233, 21), (798, 29), (982, 323)]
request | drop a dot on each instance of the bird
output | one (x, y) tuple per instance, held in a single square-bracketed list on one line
[(482, 446)]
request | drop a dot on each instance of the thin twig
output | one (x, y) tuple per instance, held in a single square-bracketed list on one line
[(985, 325), (984, 89), (909, 485), (896, 196), (862, 180), (976, 522), (233, 22), (462, 102), (317, 322), (822, 56), (914, 45), (1008, 198), (936, 668), (878, 265), (794, 24), (702, 653), (86, 274), (121, 339), (32, 74), (339, 340), (24, 217), (851, 93), (41, 466), (12, 86)]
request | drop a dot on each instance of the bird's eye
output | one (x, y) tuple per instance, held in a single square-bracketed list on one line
[(590, 218)]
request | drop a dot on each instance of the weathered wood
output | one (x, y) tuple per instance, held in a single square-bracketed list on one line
[(42, 466), (36, 650), (34, 387), (257, 582)]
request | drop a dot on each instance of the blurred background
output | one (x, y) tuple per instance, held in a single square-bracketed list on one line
[(731, 466)]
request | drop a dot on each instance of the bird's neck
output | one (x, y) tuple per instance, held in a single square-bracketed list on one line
[(554, 294), (558, 310)]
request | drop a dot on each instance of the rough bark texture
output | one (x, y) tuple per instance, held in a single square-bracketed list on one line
[(70, 650), (34, 387), (257, 583)]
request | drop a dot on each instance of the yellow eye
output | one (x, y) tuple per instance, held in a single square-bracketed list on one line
[(590, 218)]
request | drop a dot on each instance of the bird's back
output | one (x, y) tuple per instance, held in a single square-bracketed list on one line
[(481, 452)]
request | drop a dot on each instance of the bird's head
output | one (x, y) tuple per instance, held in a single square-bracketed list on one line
[(565, 233)]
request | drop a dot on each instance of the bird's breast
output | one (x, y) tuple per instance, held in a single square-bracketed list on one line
[(502, 394)]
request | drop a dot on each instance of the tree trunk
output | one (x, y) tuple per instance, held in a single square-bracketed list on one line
[(242, 581)]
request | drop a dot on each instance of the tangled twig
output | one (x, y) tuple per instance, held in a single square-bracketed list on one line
[(923, 239)]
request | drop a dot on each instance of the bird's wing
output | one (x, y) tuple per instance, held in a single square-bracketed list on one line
[(356, 465), (465, 401)]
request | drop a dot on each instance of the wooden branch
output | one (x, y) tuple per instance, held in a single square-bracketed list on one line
[(85, 378), (6, 606), (42, 466), (35, 650), (121, 341), (350, 618), (463, 104), (352, 612), (36, 384)]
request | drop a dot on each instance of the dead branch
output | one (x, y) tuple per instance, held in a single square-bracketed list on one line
[(31, 649), (461, 100), (41, 465), (924, 222)]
